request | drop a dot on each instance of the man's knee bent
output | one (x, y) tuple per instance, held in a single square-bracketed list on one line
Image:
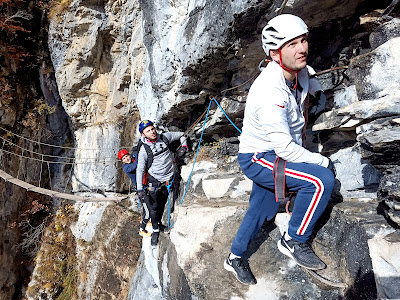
[(328, 179)]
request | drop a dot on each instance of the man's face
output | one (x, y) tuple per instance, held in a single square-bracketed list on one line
[(294, 53), (126, 159), (150, 133)]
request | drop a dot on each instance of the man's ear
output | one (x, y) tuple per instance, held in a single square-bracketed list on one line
[(275, 55)]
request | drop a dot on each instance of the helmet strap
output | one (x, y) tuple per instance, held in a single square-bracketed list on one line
[(286, 68)]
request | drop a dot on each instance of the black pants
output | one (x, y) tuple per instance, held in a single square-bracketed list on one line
[(155, 201), (148, 211)]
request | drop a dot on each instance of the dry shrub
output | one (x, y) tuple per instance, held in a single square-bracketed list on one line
[(209, 151), (58, 8)]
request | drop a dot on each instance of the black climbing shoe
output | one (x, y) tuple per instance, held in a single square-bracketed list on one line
[(301, 253), (164, 228), (154, 238), (240, 270)]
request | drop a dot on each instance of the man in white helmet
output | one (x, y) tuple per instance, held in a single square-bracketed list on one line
[(273, 128)]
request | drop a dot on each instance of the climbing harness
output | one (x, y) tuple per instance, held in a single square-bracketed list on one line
[(168, 185), (279, 177), (285, 198)]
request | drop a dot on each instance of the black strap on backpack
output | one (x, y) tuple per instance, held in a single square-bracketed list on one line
[(150, 154)]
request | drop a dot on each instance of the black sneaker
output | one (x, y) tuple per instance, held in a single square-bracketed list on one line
[(154, 238), (164, 228), (240, 270), (302, 254)]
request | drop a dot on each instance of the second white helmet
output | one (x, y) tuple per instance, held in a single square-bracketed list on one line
[(281, 29)]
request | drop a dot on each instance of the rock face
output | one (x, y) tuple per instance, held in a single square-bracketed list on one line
[(28, 92), (99, 254), (91, 48), (373, 72), (98, 57), (179, 37), (117, 61), (385, 263), (117, 243)]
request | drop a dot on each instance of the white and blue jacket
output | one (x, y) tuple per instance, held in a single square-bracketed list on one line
[(273, 121)]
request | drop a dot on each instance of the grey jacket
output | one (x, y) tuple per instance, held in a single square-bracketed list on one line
[(162, 167)]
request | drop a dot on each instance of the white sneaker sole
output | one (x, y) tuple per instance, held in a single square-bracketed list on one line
[(286, 251), (231, 269)]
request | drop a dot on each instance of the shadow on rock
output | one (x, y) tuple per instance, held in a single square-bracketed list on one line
[(260, 238), (364, 287)]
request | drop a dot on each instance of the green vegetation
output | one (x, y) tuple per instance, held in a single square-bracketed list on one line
[(40, 108), (57, 267)]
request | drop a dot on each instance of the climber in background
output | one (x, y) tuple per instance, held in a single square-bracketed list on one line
[(156, 163), (273, 128), (129, 165)]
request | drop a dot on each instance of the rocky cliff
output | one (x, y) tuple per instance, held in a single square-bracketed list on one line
[(30, 111), (116, 62)]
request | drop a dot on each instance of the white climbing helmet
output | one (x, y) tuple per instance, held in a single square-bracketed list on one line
[(281, 29)]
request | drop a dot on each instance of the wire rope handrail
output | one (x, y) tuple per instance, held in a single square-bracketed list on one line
[(54, 194), (60, 147), (59, 162), (31, 151), (49, 155)]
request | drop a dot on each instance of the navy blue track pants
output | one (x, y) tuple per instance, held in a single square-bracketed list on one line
[(313, 184)]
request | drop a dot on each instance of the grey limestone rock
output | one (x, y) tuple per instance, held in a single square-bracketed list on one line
[(385, 32), (380, 141), (375, 73)]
